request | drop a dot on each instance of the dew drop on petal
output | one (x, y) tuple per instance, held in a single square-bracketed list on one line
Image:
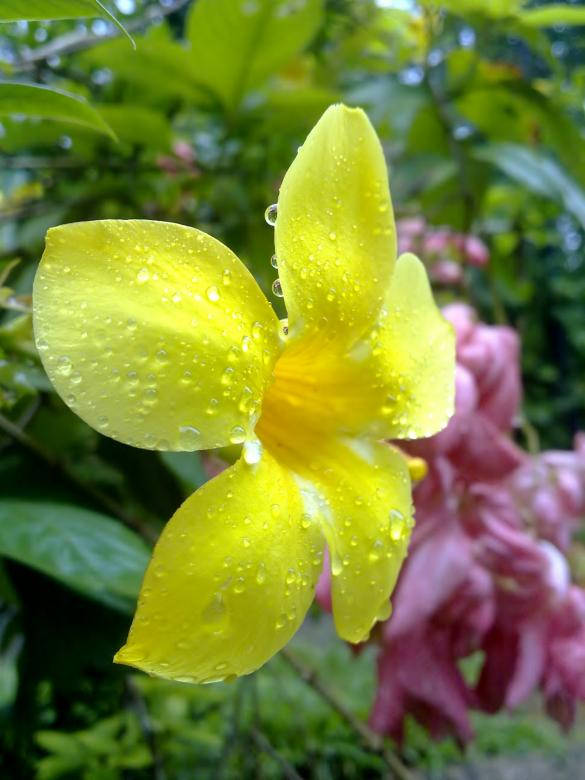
[(270, 214), (212, 294), (277, 288), (252, 452), (274, 261), (237, 434), (189, 435)]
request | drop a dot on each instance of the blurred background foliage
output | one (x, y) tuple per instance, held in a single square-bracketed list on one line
[(479, 104)]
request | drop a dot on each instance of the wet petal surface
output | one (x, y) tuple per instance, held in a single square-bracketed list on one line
[(335, 236), (153, 333), (231, 578)]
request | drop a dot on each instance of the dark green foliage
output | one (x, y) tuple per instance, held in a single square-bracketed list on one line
[(480, 112)]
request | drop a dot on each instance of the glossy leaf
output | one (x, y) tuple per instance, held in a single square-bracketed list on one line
[(238, 45), (40, 10), (87, 551), (557, 13), (539, 173), (34, 100)]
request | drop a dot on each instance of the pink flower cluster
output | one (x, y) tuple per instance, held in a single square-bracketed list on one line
[(442, 249), (486, 569)]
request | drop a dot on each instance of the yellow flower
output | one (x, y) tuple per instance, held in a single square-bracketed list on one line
[(158, 336)]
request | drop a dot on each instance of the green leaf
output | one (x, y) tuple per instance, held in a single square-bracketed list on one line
[(40, 10), (160, 68), (237, 45), (187, 469), (35, 100), (136, 124), (495, 9), (87, 551), (538, 173), (549, 15)]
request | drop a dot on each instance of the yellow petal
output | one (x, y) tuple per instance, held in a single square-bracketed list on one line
[(153, 333), (359, 491), (412, 364), (335, 236), (231, 578), (397, 381)]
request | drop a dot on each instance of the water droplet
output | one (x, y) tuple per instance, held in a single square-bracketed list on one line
[(274, 261), (257, 329), (239, 585), (227, 376), (64, 365), (212, 407), (143, 275), (42, 345), (189, 435), (332, 236), (261, 574), (246, 341), (237, 434), (212, 294), (252, 452), (162, 356), (220, 666), (270, 214), (376, 551), (227, 277), (131, 324), (277, 288), (215, 610)]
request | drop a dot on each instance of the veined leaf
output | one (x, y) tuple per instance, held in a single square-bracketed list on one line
[(236, 45), (41, 10), (35, 100), (538, 173), (548, 15), (87, 551)]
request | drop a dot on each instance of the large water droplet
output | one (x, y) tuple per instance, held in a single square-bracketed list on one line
[(64, 365), (274, 261), (143, 275), (189, 435), (252, 452), (270, 214), (237, 434), (277, 288), (212, 294)]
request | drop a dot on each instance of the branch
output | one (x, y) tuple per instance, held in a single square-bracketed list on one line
[(78, 41), (63, 470), (370, 739), (138, 704), (267, 747)]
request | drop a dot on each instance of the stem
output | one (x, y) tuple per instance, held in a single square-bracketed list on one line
[(63, 470), (75, 41), (370, 739), (264, 744), (138, 704)]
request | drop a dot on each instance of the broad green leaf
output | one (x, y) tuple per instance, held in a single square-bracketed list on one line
[(40, 10), (237, 44), (549, 15), (136, 124), (35, 100), (495, 9), (85, 550), (538, 173), (159, 68)]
